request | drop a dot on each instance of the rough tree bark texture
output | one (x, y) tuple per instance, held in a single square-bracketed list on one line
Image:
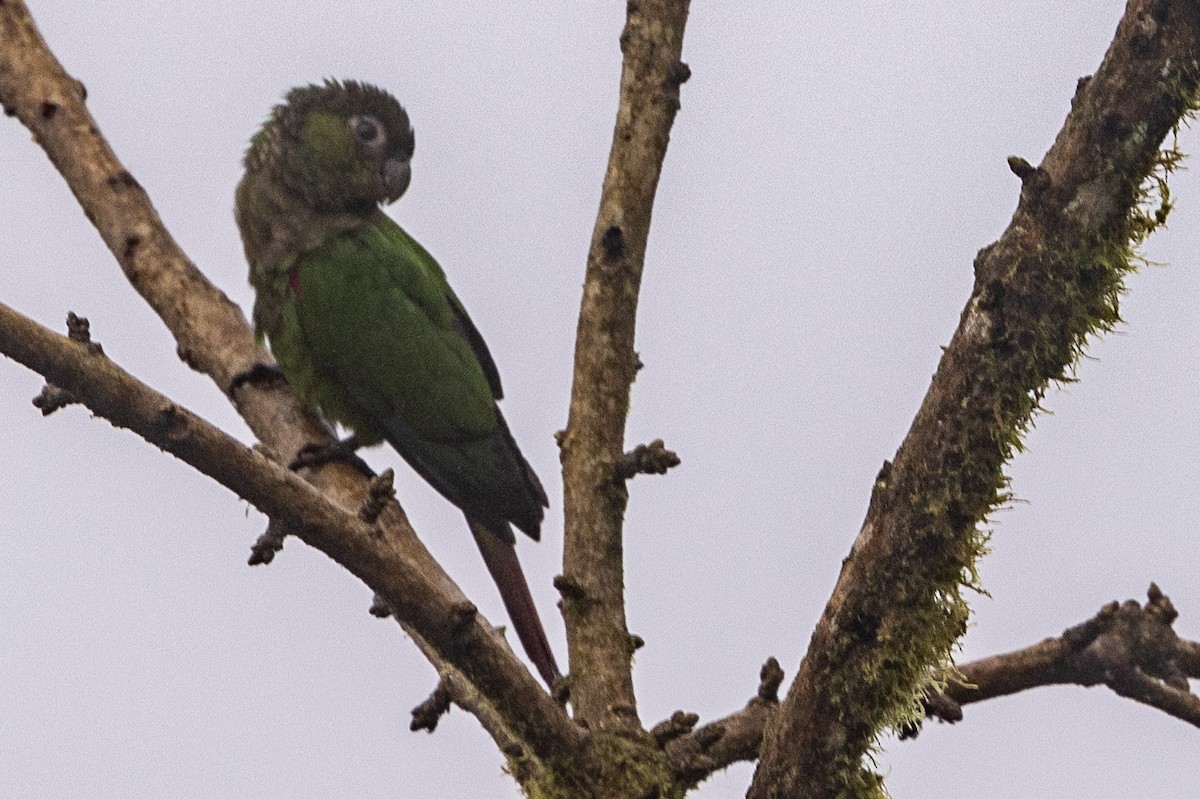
[(593, 582), (213, 338), (1131, 648), (1051, 280), (546, 747)]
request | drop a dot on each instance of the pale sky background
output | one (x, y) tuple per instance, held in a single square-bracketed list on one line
[(831, 175)]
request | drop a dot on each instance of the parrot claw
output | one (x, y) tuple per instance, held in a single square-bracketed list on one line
[(313, 456), (266, 373)]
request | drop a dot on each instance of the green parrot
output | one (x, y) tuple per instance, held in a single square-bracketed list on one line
[(366, 328)]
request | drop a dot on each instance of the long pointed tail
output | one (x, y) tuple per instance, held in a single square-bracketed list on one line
[(501, 558)]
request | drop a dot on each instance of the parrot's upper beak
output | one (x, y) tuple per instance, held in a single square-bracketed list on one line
[(396, 175)]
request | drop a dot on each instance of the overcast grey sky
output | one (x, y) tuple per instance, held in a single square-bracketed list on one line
[(831, 175)]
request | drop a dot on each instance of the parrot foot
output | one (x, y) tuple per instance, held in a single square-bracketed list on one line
[(312, 456), (266, 373)]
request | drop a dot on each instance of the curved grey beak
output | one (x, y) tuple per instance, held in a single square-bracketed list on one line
[(396, 176)]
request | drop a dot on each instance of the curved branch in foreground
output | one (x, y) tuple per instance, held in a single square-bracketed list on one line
[(1131, 648), (1052, 280), (594, 496), (212, 337), (433, 606)]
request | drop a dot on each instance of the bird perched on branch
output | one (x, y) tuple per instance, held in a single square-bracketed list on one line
[(366, 328)]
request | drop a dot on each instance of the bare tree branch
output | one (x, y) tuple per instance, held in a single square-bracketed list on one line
[(419, 594), (605, 364), (737, 737), (1048, 283), (1052, 280), (454, 685), (1131, 648), (210, 330), (213, 337), (1189, 658)]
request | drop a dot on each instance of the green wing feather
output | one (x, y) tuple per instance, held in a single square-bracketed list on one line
[(365, 327), (372, 334)]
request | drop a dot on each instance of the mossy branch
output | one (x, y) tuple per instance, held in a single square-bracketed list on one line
[(1051, 281), (1129, 647)]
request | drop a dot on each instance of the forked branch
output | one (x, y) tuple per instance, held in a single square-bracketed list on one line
[(212, 336)]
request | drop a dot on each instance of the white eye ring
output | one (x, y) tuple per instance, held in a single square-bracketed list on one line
[(367, 130)]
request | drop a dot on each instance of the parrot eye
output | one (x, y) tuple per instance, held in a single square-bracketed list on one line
[(368, 131)]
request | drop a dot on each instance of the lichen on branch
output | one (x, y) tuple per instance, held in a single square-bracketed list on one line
[(1041, 291)]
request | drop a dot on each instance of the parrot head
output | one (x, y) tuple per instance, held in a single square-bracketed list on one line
[(338, 146)]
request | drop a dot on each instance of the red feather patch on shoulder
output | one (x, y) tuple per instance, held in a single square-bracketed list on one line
[(294, 280)]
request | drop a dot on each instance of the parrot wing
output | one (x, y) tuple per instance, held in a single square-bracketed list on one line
[(380, 326)]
